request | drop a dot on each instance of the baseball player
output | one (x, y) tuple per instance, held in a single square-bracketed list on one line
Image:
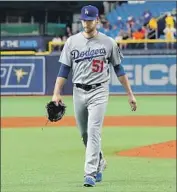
[(89, 55)]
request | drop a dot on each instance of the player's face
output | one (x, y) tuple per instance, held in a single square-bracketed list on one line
[(89, 26)]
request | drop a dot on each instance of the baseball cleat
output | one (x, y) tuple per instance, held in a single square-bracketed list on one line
[(99, 177), (101, 168), (89, 181)]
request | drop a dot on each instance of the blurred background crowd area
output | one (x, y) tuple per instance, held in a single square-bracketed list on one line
[(121, 20)]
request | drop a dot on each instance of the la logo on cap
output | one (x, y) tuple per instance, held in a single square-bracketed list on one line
[(86, 11)]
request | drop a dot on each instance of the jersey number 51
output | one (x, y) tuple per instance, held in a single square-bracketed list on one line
[(97, 65)]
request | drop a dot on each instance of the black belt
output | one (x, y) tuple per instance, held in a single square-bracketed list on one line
[(87, 87)]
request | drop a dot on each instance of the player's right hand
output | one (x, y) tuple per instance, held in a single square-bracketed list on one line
[(57, 98)]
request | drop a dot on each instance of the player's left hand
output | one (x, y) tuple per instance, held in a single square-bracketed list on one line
[(132, 102)]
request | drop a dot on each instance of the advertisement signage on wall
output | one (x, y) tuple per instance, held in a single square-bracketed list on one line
[(22, 43), (31, 75), (150, 74), (22, 75)]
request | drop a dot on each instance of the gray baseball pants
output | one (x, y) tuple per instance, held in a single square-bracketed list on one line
[(89, 108)]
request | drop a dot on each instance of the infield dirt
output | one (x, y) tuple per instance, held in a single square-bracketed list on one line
[(154, 121)]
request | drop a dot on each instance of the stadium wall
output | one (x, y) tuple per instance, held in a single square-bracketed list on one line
[(35, 75)]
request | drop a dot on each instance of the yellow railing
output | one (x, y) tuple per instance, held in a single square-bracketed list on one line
[(18, 52), (146, 41), (50, 44), (53, 43)]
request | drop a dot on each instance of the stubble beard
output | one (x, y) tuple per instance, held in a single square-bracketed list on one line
[(89, 31)]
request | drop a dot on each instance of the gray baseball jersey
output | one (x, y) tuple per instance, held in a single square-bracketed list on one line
[(90, 58)]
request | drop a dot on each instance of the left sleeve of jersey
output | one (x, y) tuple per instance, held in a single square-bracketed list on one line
[(119, 70), (116, 55)]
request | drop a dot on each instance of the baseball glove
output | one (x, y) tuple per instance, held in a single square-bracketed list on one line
[(55, 112)]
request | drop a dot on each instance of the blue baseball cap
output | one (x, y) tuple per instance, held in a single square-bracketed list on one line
[(89, 13)]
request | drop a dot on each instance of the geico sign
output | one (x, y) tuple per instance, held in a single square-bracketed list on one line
[(152, 74)]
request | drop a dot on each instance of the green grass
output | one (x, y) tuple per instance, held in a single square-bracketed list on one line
[(118, 105), (52, 160)]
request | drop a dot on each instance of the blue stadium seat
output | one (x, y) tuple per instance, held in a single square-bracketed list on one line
[(136, 10)]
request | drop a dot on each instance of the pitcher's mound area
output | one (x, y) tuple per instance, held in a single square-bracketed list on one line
[(161, 150)]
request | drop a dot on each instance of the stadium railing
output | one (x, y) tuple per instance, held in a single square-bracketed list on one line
[(50, 44)]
